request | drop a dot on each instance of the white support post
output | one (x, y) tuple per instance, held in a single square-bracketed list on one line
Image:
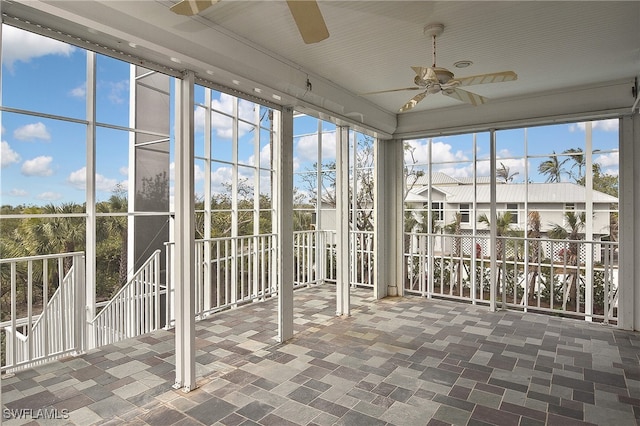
[(320, 252), (388, 213), (91, 225), (284, 225), (185, 235), (206, 291), (234, 205), (629, 235), (431, 243), (342, 222), (381, 261), (493, 240), (588, 293)]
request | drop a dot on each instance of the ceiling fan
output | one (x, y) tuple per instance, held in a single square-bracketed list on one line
[(434, 79), (306, 15)]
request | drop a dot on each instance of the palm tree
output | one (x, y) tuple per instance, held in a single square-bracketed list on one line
[(455, 229), (504, 227), (116, 227), (504, 173), (578, 158), (575, 224), (553, 168), (534, 234)]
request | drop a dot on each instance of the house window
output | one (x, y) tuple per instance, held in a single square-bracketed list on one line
[(464, 213), (437, 210), (513, 209), (569, 207)]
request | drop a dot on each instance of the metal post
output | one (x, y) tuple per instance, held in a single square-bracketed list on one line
[(493, 264), (342, 222), (184, 235), (284, 209), (629, 255), (91, 225), (588, 184)]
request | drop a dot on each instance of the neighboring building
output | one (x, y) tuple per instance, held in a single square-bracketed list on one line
[(551, 200)]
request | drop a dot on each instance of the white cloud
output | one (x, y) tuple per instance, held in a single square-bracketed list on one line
[(79, 92), (124, 171), (223, 124), (18, 192), (49, 196), (7, 155), (23, 46), (31, 132), (78, 180), (608, 160), (610, 125), (306, 148), (440, 152), (219, 178), (118, 91), (39, 166)]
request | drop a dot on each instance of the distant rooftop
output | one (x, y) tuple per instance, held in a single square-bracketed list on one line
[(459, 190)]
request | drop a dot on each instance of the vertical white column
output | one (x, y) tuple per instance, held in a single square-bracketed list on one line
[(320, 252), (493, 240), (284, 224), (184, 235), (206, 291), (431, 241), (90, 250), (342, 221), (131, 193), (474, 222), (588, 155), (234, 204), (629, 235), (381, 211)]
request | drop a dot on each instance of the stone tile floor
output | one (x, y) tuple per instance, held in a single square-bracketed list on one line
[(400, 361)]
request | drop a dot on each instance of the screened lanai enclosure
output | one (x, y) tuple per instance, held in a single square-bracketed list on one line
[(139, 196)]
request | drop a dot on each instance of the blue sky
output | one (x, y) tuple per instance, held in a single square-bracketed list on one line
[(43, 160)]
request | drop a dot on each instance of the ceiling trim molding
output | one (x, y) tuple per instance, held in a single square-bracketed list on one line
[(608, 100)]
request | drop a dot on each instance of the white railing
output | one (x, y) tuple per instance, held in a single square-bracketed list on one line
[(232, 271), (41, 327), (136, 309), (314, 257), (570, 277), (362, 254), (229, 271)]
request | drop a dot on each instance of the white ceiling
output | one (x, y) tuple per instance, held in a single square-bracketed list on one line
[(587, 51)]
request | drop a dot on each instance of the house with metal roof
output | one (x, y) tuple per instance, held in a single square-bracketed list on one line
[(552, 201)]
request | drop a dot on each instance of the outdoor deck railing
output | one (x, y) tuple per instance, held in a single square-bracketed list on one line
[(232, 271), (575, 278), (136, 308), (48, 320)]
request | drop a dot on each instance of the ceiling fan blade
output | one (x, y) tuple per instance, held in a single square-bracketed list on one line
[(426, 74), (496, 77), (392, 90), (420, 71), (465, 96), (413, 102), (191, 7), (309, 20)]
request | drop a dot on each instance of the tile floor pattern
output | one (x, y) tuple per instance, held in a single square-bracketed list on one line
[(398, 361)]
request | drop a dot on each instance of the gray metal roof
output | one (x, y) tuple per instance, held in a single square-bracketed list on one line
[(563, 192)]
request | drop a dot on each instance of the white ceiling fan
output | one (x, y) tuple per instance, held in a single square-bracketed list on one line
[(434, 79), (306, 14)]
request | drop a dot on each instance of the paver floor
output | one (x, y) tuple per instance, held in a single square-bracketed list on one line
[(397, 361)]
